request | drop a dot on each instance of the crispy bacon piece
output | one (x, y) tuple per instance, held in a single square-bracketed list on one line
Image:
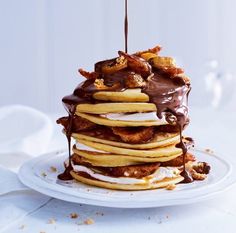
[(134, 80), (185, 79), (202, 168), (134, 134), (79, 123), (88, 75), (135, 171), (99, 84), (168, 128), (172, 71), (137, 64), (198, 170), (177, 162), (198, 176), (163, 62), (155, 50), (112, 66)]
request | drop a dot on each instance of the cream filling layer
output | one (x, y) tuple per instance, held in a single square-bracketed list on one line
[(81, 146), (158, 175), (140, 116)]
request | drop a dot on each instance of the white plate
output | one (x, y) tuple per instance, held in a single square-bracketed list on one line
[(32, 174)]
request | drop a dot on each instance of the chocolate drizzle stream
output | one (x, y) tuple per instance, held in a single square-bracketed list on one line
[(66, 174), (187, 177), (126, 26)]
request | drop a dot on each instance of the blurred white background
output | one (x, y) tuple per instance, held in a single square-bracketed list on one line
[(44, 42)]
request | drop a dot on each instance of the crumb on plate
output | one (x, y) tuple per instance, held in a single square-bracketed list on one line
[(74, 215), (51, 221), (43, 174), (170, 187), (53, 169), (89, 221)]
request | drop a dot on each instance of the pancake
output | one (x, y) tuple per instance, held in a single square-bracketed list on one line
[(118, 123), (129, 95), (115, 160), (144, 167), (155, 152), (94, 182), (115, 108), (159, 140)]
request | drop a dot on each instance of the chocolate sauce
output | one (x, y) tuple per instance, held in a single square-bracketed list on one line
[(82, 94), (68, 130), (187, 177), (66, 174), (116, 81), (171, 99), (182, 145), (126, 26), (169, 94)]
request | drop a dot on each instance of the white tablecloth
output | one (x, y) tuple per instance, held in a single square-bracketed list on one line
[(29, 211)]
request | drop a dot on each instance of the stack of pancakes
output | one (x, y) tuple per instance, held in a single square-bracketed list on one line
[(120, 141)]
